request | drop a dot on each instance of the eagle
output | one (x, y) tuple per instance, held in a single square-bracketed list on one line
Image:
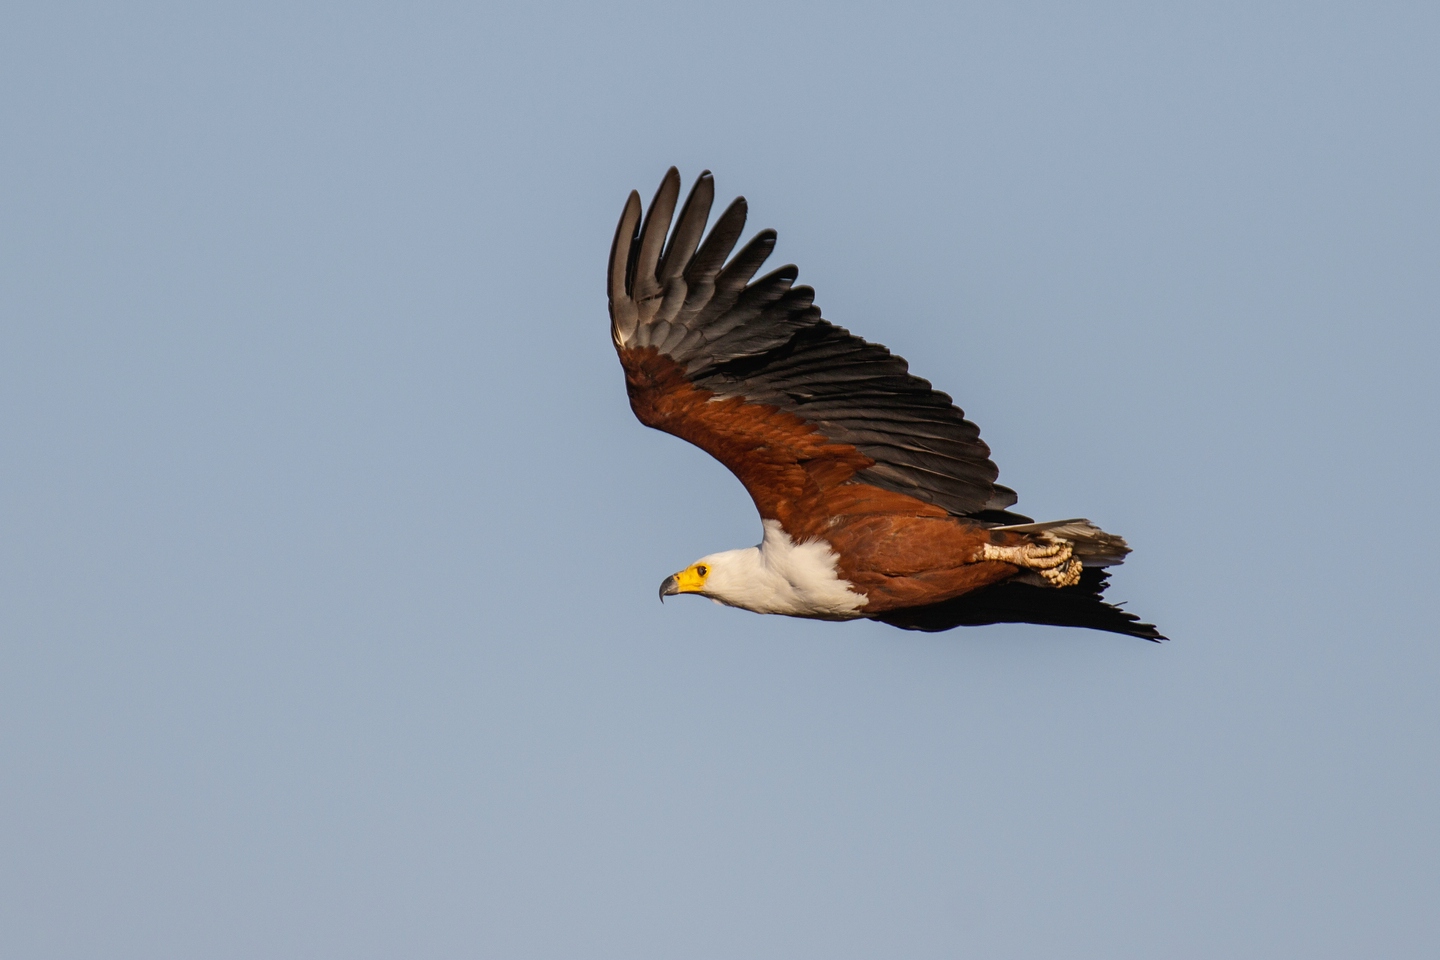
[(877, 498)]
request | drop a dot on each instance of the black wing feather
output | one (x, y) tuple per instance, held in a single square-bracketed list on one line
[(766, 341)]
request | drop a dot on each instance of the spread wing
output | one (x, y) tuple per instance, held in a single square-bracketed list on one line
[(748, 370)]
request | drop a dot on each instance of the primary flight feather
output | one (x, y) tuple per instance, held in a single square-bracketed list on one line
[(877, 497)]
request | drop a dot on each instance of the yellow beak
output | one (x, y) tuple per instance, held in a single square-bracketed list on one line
[(686, 581)]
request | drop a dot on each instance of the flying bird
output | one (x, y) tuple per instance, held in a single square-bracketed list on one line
[(877, 497)]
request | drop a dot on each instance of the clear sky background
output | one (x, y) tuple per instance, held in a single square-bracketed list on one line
[(329, 545)]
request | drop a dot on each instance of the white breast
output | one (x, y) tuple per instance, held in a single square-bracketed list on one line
[(782, 576)]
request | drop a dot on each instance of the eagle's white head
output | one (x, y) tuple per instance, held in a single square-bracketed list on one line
[(777, 576)]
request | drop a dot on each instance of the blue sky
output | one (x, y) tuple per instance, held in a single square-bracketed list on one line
[(329, 546)]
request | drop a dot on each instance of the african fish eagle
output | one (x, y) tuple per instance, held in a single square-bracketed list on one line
[(877, 497)]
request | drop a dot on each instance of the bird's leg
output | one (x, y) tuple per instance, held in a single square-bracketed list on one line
[(1048, 556)]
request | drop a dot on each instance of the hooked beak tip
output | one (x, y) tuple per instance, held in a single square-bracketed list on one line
[(669, 588)]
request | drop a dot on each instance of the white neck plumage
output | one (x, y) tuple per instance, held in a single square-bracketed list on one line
[(782, 576)]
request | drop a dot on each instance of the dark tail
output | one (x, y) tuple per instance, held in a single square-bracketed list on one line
[(1082, 605)]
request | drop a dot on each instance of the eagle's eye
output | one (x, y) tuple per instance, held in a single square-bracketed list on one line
[(702, 570)]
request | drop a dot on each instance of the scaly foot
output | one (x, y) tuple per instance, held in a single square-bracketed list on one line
[(1051, 558)]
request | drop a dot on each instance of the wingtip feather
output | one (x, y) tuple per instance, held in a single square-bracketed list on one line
[(623, 316), (652, 235)]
